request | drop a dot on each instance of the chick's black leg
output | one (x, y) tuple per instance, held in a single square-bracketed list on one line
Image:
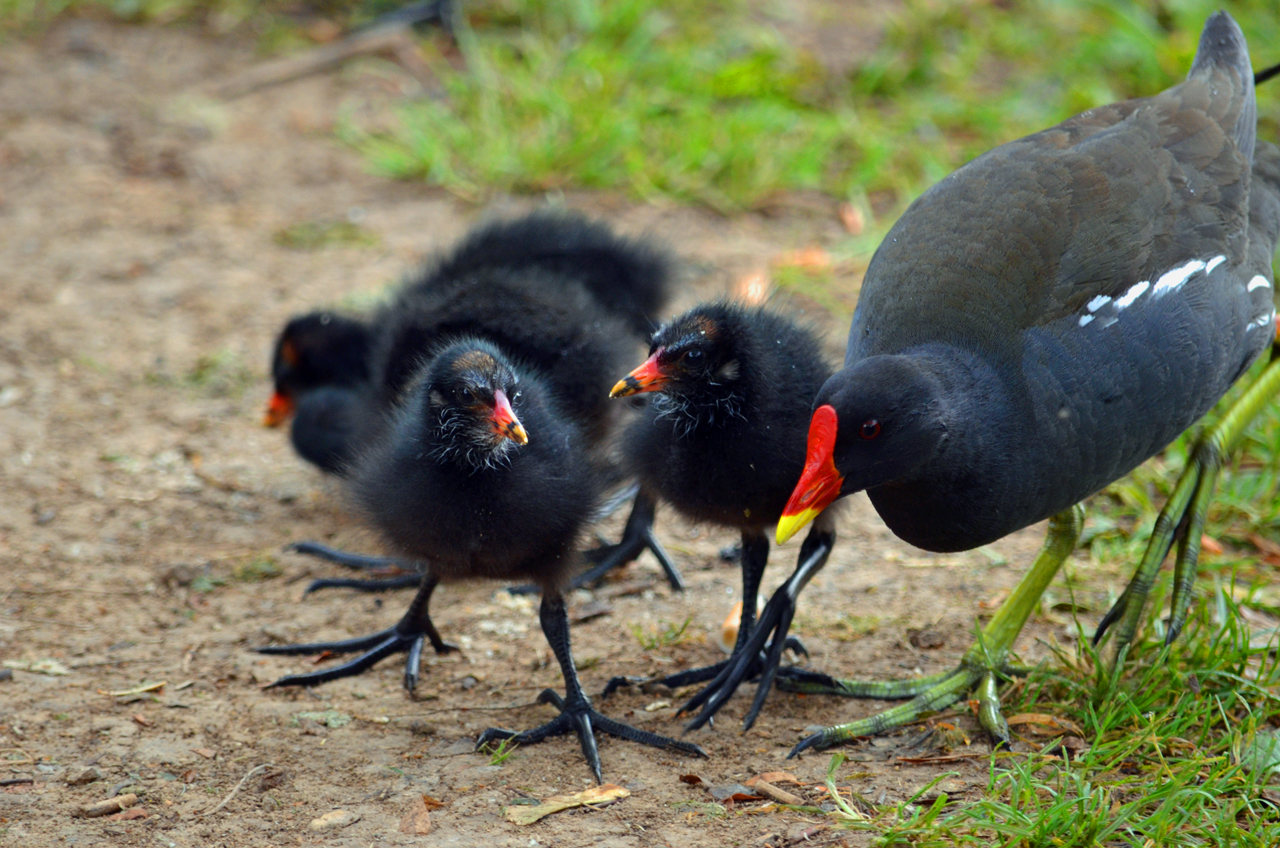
[(407, 636), (637, 537), (576, 712), (404, 574), (769, 634), (755, 556)]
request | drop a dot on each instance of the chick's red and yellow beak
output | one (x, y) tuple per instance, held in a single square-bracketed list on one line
[(279, 408), (820, 482), (505, 423), (649, 377)]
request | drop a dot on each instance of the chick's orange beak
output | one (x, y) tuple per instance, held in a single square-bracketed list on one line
[(505, 423), (820, 482), (279, 408), (649, 377)]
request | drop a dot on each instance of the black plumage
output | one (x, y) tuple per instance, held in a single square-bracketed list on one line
[(1042, 321), (722, 442), (321, 374), (480, 474), (559, 291), (556, 293)]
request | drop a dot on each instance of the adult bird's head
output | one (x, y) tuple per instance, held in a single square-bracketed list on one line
[(471, 399), (693, 357), (317, 350), (874, 422)]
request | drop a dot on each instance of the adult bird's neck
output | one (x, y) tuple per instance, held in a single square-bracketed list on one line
[(967, 491)]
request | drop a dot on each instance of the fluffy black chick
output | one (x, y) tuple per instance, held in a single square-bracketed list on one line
[(555, 292), (480, 474), (720, 442), (563, 292), (321, 375)]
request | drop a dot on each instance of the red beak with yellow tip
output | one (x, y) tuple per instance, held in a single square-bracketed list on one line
[(505, 423), (279, 408), (820, 482), (649, 377)]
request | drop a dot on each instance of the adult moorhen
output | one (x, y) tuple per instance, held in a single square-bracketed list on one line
[(1038, 324), (723, 442)]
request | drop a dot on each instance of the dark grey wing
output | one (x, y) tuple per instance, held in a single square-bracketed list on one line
[(1040, 227)]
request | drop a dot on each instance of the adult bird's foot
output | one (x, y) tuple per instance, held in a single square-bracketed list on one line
[(392, 573), (637, 537), (979, 670), (928, 694), (581, 718), (1183, 518), (407, 636)]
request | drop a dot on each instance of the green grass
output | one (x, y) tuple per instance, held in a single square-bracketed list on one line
[(665, 635), (1180, 753), (317, 235), (703, 101), (501, 752)]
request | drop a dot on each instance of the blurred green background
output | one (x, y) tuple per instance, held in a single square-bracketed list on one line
[(715, 102)]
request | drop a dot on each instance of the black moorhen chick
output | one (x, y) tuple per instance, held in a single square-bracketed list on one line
[(481, 475), (723, 442), (563, 297), (1038, 324), (321, 371), (556, 263), (556, 289)]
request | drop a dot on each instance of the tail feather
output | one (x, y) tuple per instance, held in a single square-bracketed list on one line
[(1223, 48)]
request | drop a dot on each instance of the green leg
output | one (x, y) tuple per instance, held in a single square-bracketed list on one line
[(980, 665), (1185, 513)]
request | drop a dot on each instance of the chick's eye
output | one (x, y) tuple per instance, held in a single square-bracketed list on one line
[(870, 429), (466, 395), (693, 357)]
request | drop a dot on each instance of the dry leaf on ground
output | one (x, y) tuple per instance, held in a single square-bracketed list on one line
[(595, 795)]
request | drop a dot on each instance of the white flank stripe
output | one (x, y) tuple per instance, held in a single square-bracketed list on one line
[(1085, 319), (1261, 322), (1214, 263), (1098, 302), (1132, 294), (1258, 282), (1171, 280)]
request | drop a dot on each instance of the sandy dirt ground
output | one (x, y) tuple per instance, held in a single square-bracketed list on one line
[(143, 508)]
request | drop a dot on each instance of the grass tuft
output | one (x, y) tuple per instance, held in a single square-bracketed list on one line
[(666, 635), (1180, 749)]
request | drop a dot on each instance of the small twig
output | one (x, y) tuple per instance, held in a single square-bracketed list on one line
[(253, 772), (393, 38), (458, 709), (17, 781), (29, 620), (77, 591)]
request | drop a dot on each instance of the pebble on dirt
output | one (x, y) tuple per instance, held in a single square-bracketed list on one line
[(334, 820)]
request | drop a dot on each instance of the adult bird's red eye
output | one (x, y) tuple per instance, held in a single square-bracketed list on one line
[(870, 428)]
